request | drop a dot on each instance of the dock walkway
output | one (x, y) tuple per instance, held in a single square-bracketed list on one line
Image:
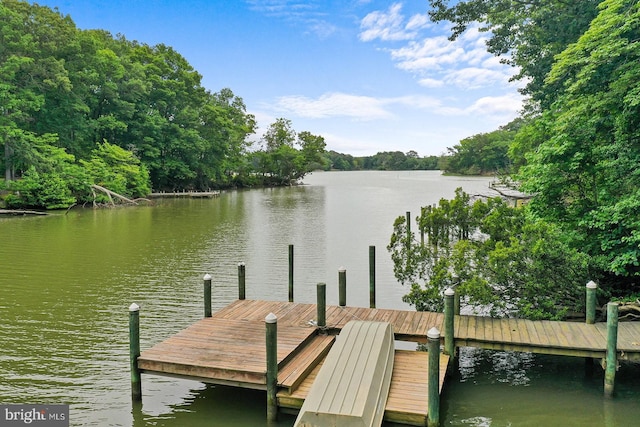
[(190, 194), (546, 336), (229, 348)]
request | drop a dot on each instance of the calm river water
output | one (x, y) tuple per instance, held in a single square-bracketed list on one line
[(66, 281)]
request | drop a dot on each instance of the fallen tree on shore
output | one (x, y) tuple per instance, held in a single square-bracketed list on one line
[(112, 194)]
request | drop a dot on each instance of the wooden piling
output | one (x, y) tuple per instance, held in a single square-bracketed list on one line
[(449, 310), (612, 344), (322, 304), (456, 303), (242, 285), (207, 295), (290, 273), (134, 351), (342, 286), (591, 302), (408, 228), (372, 277), (433, 342), (590, 310), (271, 324), (421, 228)]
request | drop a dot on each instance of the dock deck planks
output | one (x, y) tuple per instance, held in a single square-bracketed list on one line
[(229, 347)]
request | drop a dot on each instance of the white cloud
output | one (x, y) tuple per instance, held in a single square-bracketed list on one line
[(496, 108), (334, 105), (417, 22), (280, 8), (415, 101), (358, 146), (367, 108), (506, 105), (322, 29), (431, 83), (463, 63), (428, 54), (386, 26), (310, 14), (433, 59), (474, 78)]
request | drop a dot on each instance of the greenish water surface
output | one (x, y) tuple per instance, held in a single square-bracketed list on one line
[(66, 281)]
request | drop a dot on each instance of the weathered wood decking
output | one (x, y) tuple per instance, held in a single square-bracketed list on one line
[(545, 336), (229, 348), (191, 194)]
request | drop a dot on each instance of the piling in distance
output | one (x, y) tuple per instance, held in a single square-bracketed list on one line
[(290, 273), (242, 286), (207, 295), (372, 276), (271, 326), (322, 304), (342, 286), (449, 343), (134, 351), (408, 228), (421, 228), (433, 343), (612, 344), (591, 302)]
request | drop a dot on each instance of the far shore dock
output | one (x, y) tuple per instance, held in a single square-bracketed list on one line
[(189, 194)]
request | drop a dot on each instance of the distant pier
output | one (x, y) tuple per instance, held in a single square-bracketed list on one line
[(188, 194)]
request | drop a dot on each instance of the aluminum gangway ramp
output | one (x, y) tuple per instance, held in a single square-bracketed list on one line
[(352, 386)]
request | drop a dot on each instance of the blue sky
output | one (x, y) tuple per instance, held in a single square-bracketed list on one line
[(368, 76)]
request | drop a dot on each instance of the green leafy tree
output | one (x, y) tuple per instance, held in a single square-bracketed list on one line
[(497, 257), (482, 153), (47, 182), (28, 70), (118, 170), (167, 139), (339, 161), (526, 33), (278, 134), (584, 173), (312, 147), (225, 127), (281, 163)]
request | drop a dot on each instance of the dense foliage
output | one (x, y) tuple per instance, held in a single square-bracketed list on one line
[(576, 151), (527, 34), (482, 154), (386, 160), (584, 170), (500, 260), (78, 107)]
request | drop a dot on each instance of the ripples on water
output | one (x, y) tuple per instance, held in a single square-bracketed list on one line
[(66, 283)]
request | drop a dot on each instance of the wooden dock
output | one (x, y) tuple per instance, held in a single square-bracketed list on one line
[(229, 348), (189, 194), (546, 337)]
